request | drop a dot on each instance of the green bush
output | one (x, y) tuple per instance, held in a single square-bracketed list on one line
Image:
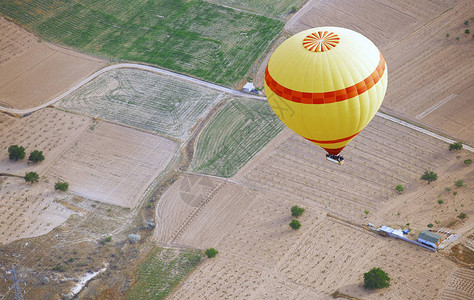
[(462, 216), (296, 211), (468, 161), (440, 201), (399, 188), (16, 152), (430, 225), (31, 177), (295, 224), (376, 279), (467, 31), (459, 183), (36, 156), (455, 145), (429, 176), (61, 186), (211, 252)]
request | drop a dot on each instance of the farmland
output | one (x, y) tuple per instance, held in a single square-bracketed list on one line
[(239, 131), (195, 37), (144, 100), (275, 9), (113, 164), (389, 154), (162, 271), (33, 72)]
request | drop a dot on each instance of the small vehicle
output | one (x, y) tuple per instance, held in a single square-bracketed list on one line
[(335, 158)]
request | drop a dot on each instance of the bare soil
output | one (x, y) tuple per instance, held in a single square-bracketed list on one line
[(33, 72)]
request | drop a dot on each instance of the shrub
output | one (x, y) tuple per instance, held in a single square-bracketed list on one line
[(440, 201), (16, 152), (61, 186), (457, 38), (36, 156), (399, 188), (447, 189), (459, 183), (447, 35), (429, 176), (106, 240), (467, 31), (59, 268), (455, 145), (31, 177), (376, 279), (466, 22), (366, 212), (134, 238), (462, 216), (296, 211), (430, 225), (211, 252), (468, 161), (295, 224)]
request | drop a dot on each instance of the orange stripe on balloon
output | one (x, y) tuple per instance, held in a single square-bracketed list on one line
[(327, 97), (333, 141)]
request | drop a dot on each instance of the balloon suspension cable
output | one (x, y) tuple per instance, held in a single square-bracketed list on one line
[(335, 158)]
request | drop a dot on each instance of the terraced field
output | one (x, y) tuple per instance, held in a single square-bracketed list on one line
[(144, 100), (195, 37), (460, 287), (239, 131)]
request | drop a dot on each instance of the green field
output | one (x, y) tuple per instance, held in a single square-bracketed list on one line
[(240, 130), (276, 9), (144, 100), (162, 271), (194, 37)]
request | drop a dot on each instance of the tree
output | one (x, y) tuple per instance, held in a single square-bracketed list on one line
[(459, 183), (399, 188), (61, 186), (36, 156), (16, 152), (455, 146), (296, 211), (376, 279), (31, 177), (429, 176), (295, 224), (211, 252), (462, 216)]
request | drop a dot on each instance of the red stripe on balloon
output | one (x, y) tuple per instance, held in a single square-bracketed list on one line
[(333, 141), (327, 97)]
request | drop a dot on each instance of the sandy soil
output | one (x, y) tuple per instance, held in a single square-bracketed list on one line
[(113, 164), (260, 257), (33, 72), (430, 74)]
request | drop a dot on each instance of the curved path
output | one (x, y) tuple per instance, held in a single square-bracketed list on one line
[(132, 66), (206, 84)]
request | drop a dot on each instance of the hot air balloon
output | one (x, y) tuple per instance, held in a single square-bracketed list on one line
[(326, 84)]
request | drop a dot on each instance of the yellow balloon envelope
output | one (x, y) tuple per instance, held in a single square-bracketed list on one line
[(326, 84)]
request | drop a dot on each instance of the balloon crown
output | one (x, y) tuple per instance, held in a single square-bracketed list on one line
[(320, 41)]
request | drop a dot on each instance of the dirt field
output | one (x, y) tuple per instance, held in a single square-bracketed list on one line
[(246, 218), (430, 74), (113, 164), (33, 72)]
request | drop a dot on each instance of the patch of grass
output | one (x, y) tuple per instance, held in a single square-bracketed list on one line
[(195, 37), (162, 271), (237, 132), (276, 9), (143, 99)]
